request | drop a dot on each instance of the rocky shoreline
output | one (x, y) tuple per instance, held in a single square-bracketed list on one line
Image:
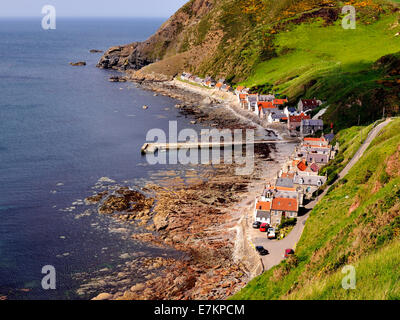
[(196, 219)]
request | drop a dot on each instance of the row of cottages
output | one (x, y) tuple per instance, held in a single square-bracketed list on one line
[(298, 180), (305, 183), (207, 82), (241, 90), (276, 202), (294, 122), (264, 106), (223, 87), (316, 150), (302, 173), (301, 166)]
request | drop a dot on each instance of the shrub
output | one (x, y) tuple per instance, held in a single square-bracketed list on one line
[(287, 222), (332, 178)]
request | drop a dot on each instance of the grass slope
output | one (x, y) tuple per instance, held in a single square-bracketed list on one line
[(294, 47), (357, 223)]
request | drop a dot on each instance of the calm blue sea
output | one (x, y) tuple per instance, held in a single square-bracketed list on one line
[(61, 129)]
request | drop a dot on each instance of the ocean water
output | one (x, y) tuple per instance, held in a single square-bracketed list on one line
[(62, 128)]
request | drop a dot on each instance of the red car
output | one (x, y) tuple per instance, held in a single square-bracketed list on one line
[(289, 252), (264, 227)]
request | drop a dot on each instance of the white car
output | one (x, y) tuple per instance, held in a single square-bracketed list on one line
[(271, 233)]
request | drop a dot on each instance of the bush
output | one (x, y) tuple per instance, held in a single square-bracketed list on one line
[(332, 178), (287, 222)]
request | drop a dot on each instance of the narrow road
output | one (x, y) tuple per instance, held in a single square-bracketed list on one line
[(371, 136), (277, 248)]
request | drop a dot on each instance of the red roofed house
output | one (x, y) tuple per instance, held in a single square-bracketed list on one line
[(226, 88), (262, 212), (239, 90), (302, 165), (308, 104), (219, 85), (314, 168), (265, 108), (280, 102), (244, 101), (295, 121), (316, 142), (283, 207)]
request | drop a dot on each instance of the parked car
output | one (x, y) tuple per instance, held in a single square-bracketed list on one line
[(289, 252), (257, 225), (264, 227), (262, 251), (271, 233)]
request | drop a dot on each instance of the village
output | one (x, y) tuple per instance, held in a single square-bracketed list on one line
[(270, 107), (277, 208)]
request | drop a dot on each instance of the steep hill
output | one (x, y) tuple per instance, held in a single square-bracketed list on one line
[(294, 47)]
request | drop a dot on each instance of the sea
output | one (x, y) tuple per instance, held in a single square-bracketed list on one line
[(64, 131)]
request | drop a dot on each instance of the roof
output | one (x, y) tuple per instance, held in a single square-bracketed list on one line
[(219, 85), (242, 96), (263, 214), (287, 175), (280, 101), (278, 115), (281, 189), (317, 157), (302, 166), (284, 182), (299, 118), (310, 102), (314, 167), (266, 105), (315, 139), (266, 97), (316, 146), (263, 205), (312, 122), (239, 88), (284, 204), (329, 137), (310, 180)]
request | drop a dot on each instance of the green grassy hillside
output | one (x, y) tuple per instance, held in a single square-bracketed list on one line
[(357, 223), (293, 47)]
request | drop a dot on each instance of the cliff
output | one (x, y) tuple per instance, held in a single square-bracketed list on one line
[(167, 42)]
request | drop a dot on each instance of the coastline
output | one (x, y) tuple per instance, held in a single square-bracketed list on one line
[(225, 261)]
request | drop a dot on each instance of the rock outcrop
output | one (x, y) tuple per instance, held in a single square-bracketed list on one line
[(78, 64), (166, 42)]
